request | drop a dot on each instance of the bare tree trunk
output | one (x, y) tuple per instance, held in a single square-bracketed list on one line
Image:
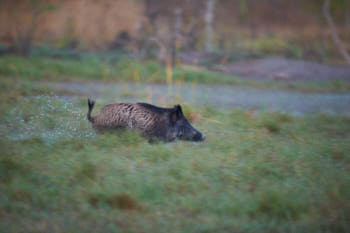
[(347, 13), (176, 34), (334, 32), (209, 15)]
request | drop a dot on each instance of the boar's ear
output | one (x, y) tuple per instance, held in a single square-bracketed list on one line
[(178, 109), (176, 114)]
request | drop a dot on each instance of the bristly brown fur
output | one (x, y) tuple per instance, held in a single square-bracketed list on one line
[(127, 115), (165, 124)]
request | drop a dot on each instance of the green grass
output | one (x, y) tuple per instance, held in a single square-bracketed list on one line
[(254, 173), (49, 69), (123, 69)]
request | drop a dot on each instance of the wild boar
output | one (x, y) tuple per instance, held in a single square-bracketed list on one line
[(154, 123)]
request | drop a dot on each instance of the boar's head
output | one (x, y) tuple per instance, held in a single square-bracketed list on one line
[(181, 127)]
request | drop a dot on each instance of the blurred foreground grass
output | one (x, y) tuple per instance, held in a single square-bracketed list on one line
[(126, 69), (254, 173)]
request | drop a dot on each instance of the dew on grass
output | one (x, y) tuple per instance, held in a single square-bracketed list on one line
[(50, 118)]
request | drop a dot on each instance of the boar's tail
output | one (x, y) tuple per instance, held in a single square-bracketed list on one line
[(91, 104)]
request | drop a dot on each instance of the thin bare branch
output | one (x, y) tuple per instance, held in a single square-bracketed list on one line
[(334, 33)]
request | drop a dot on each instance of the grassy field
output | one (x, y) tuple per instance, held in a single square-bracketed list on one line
[(114, 68), (254, 173)]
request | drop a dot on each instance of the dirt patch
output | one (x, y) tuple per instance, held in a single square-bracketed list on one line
[(286, 69)]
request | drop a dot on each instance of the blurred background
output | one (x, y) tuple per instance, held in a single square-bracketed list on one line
[(229, 29), (268, 82), (294, 42), (269, 39)]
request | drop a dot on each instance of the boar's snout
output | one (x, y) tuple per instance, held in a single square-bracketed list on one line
[(199, 137), (192, 134), (184, 130)]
